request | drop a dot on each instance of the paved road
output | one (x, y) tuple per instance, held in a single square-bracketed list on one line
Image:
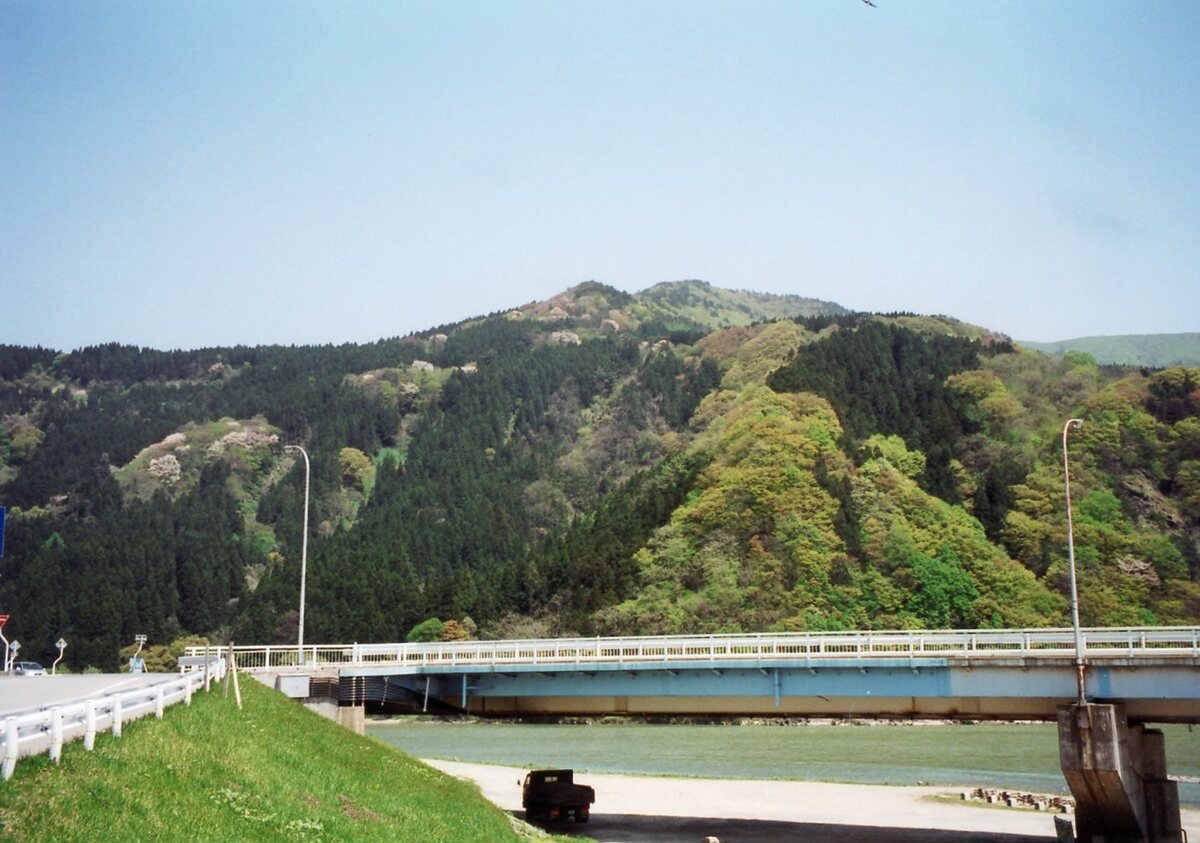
[(20, 694), (635, 828)]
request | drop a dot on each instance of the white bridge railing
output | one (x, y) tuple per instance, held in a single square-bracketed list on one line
[(955, 645), (46, 730)]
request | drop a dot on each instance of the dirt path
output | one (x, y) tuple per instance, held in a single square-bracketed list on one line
[(642, 809)]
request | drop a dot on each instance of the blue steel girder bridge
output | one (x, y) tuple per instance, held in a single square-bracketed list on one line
[(1153, 672)]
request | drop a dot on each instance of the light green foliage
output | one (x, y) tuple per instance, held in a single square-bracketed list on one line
[(1128, 566), (995, 409), (24, 438), (938, 325), (1176, 382), (393, 457), (760, 350), (892, 448), (1046, 388), (943, 594), (1162, 554), (756, 545), (896, 513), (1080, 359), (1187, 477), (358, 470)]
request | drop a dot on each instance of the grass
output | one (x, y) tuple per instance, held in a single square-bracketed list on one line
[(273, 771)]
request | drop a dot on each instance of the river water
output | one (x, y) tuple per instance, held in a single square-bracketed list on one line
[(1014, 756)]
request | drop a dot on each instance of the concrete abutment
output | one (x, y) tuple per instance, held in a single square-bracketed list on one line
[(1118, 776)]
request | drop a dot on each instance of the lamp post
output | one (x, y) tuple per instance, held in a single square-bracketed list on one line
[(61, 644), (1079, 666), (303, 552), (136, 664)]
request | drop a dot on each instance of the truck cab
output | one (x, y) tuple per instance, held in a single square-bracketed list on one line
[(553, 795)]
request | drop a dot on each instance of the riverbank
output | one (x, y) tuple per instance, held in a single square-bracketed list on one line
[(1006, 757), (676, 809)]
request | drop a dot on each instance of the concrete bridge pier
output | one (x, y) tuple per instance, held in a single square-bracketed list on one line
[(1118, 776)]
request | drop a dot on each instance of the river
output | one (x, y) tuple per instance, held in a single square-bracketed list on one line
[(1014, 756)]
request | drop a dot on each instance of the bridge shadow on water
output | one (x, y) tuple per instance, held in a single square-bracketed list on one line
[(636, 828)]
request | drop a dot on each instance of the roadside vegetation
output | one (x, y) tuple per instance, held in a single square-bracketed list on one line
[(272, 771)]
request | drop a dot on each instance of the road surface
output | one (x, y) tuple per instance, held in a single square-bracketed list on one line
[(20, 694)]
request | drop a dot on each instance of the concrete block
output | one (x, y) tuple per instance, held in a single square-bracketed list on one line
[(294, 685), (353, 717)]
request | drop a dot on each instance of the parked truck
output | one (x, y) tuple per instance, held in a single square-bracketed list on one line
[(553, 795)]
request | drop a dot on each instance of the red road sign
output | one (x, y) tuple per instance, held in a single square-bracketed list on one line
[(3, 621)]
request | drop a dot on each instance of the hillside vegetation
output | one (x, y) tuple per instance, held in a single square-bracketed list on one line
[(596, 463), (273, 771)]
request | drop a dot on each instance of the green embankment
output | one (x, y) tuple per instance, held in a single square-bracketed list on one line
[(273, 771)]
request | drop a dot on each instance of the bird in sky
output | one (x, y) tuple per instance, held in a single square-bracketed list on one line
[(869, 3)]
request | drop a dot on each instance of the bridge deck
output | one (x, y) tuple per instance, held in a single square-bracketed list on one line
[(968, 674), (803, 648)]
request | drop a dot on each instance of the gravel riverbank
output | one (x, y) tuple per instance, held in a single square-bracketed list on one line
[(641, 809)]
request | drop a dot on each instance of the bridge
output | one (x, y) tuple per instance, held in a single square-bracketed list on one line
[(973, 674), (1115, 767)]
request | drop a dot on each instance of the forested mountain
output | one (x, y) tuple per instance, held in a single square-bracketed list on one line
[(686, 459), (1131, 349)]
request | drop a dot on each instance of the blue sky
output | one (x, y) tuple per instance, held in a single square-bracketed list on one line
[(189, 174)]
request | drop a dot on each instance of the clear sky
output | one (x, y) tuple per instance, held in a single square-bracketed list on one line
[(189, 174)]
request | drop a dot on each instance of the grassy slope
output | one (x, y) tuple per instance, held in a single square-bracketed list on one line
[(273, 771)]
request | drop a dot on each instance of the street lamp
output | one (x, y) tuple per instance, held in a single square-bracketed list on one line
[(1079, 667), (61, 644), (303, 553), (137, 665)]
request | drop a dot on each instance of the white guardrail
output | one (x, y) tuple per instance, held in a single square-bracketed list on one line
[(953, 645), (46, 730)]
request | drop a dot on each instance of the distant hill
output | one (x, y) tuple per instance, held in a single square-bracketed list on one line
[(702, 304), (1156, 350), (695, 307)]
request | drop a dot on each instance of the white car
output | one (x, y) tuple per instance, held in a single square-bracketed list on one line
[(28, 669)]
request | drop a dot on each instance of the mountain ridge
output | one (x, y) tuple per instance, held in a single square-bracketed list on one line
[(597, 462)]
